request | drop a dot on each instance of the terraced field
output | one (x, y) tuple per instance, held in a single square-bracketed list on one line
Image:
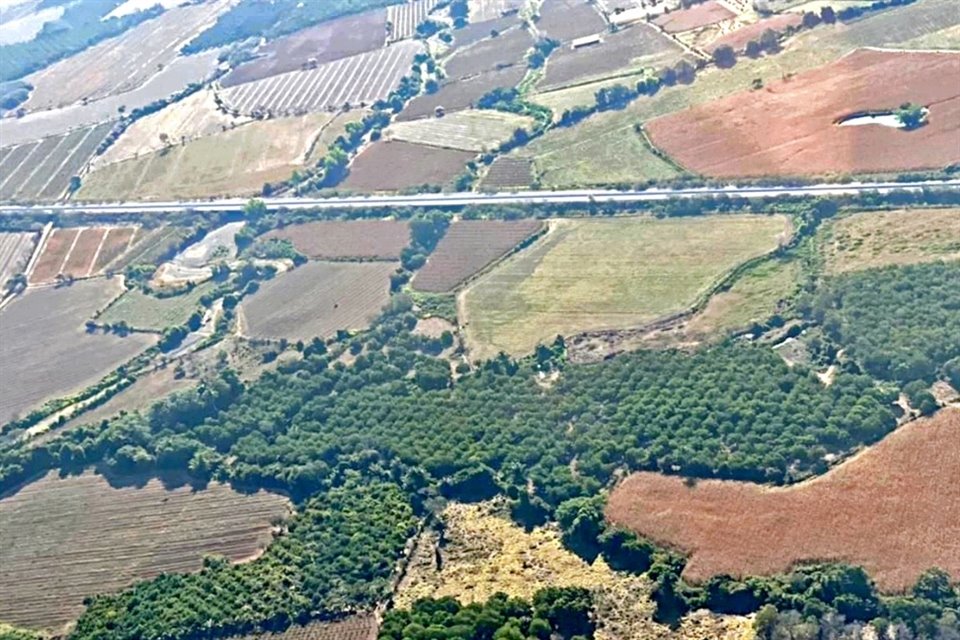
[(356, 81), (42, 170), (65, 539)]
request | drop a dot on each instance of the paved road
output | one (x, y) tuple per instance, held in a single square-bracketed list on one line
[(461, 199)]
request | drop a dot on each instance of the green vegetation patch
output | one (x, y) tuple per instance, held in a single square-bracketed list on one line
[(141, 310), (337, 556), (900, 324), (609, 274)]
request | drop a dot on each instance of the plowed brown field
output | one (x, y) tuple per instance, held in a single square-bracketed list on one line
[(892, 509), (468, 247), (64, 539), (342, 239), (393, 166), (80, 252), (359, 627), (790, 128), (699, 15)]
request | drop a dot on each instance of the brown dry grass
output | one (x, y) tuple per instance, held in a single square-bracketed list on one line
[(484, 552), (342, 239), (790, 127), (880, 238), (893, 509), (64, 539)]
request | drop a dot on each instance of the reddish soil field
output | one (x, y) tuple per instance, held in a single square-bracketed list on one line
[(790, 127), (462, 94), (342, 239), (566, 20), (468, 247), (65, 539), (889, 509), (358, 627), (738, 39), (115, 243), (393, 166), (80, 260), (325, 42), (53, 254), (699, 15), (507, 49)]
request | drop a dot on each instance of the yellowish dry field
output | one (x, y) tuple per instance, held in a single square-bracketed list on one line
[(484, 552), (195, 116), (880, 238), (589, 274), (468, 130), (232, 163)]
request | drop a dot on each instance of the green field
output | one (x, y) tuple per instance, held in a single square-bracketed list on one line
[(150, 313), (602, 149), (608, 274)]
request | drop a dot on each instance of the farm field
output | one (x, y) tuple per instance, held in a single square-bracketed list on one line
[(318, 299), (146, 312), (565, 20), (173, 78), (467, 248), (46, 351), (151, 246), (590, 159), (887, 509), (490, 54), (699, 15), (393, 166), (196, 116), (739, 38), (507, 172), (476, 130), (358, 627), (42, 170), (347, 239), (79, 252), (484, 10), (783, 131), (69, 538), (462, 94), (357, 81), (589, 275), (120, 64), (485, 552), (881, 238), (15, 252), (405, 17), (325, 42), (477, 30), (626, 51), (256, 153)]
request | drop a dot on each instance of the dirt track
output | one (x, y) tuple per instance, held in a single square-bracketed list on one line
[(789, 128)]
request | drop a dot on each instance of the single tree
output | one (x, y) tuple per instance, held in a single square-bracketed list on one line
[(724, 56)]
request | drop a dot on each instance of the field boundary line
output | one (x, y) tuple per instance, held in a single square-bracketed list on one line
[(66, 257), (41, 243), (96, 254)]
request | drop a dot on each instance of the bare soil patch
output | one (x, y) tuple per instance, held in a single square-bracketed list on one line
[(318, 299), (79, 252), (65, 539), (887, 509), (566, 20), (358, 627), (462, 94), (739, 38), (699, 15), (468, 247), (627, 50), (343, 239), (507, 49), (331, 40), (46, 351), (393, 166), (789, 128)]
